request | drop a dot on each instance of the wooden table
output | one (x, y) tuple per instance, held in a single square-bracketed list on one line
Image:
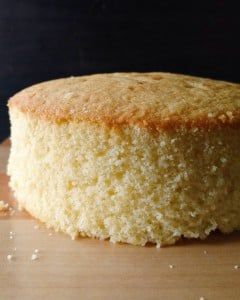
[(92, 269)]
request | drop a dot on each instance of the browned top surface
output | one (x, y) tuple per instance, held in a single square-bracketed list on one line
[(155, 100)]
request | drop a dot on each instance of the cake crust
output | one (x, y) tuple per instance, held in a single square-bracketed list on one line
[(152, 100)]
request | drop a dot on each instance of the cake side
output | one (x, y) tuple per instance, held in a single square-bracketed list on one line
[(125, 183), (152, 100)]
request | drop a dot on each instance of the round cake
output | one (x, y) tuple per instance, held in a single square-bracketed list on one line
[(133, 157)]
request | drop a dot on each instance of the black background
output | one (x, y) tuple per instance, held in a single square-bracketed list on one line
[(41, 40)]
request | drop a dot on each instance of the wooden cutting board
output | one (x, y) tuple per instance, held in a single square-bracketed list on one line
[(92, 269)]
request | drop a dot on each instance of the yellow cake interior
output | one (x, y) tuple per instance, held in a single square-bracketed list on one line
[(126, 183)]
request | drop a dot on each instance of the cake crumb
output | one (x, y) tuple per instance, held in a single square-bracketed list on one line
[(205, 252), (9, 257), (236, 267), (202, 298), (36, 227), (214, 169), (171, 266), (34, 256), (50, 234), (36, 250)]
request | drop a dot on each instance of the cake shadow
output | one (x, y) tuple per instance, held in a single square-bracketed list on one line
[(215, 238)]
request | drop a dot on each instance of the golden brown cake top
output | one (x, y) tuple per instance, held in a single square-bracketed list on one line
[(154, 100)]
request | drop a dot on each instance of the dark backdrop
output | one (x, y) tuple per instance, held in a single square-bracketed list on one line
[(41, 40)]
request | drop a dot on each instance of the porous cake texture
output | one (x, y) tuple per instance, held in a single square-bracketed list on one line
[(134, 157)]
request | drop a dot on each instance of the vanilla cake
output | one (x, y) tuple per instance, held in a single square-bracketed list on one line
[(133, 157)]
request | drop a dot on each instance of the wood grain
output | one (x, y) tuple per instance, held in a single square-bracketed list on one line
[(92, 269)]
